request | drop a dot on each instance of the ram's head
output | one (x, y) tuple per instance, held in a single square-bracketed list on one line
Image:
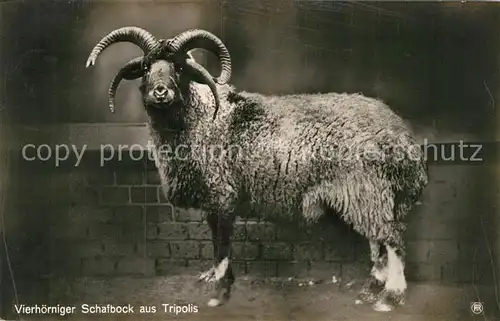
[(164, 64)]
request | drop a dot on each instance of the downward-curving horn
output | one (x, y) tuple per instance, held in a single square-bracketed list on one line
[(201, 75), (138, 36), (131, 70), (197, 38)]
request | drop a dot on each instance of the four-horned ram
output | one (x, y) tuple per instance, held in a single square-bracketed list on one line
[(287, 156)]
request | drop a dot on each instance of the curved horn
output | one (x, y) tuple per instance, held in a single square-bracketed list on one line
[(197, 38), (138, 36), (131, 70), (201, 75)]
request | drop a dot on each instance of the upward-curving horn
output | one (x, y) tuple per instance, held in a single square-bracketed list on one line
[(198, 38), (138, 36)]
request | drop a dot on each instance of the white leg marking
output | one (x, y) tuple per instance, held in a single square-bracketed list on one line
[(396, 280), (220, 270), (207, 274), (215, 273)]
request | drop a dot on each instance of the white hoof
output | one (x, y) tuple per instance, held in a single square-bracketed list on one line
[(357, 301), (382, 307), (213, 303)]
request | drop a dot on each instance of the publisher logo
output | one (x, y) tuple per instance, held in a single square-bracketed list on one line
[(477, 307)]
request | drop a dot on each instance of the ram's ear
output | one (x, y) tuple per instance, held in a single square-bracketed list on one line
[(133, 69), (133, 74)]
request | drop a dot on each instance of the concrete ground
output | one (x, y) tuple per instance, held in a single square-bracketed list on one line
[(260, 299)]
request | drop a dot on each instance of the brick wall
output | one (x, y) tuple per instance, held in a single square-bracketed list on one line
[(118, 223), (114, 221)]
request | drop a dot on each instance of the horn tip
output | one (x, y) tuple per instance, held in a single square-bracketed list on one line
[(90, 62)]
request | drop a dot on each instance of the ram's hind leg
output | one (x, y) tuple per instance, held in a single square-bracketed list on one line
[(394, 291), (378, 274), (221, 275)]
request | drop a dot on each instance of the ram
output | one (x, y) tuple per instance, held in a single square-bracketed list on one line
[(278, 157)]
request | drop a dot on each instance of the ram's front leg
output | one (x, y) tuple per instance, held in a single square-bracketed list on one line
[(221, 274)]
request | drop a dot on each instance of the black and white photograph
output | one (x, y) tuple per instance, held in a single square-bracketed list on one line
[(258, 160)]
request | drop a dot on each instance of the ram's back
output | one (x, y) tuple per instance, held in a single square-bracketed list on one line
[(287, 145)]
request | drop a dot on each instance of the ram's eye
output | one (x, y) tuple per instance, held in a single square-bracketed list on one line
[(179, 68)]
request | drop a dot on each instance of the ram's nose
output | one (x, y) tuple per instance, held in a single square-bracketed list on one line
[(160, 91)]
